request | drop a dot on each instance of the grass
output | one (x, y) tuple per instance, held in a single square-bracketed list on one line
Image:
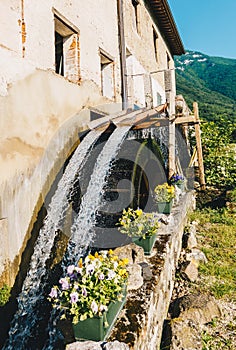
[(211, 343), (217, 239)]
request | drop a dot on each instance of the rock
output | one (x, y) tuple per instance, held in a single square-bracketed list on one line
[(116, 345), (191, 241), (92, 345), (189, 314), (146, 271), (135, 280), (190, 271), (85, 345), (132, 251), (185, 335), (199, 308), (196, 255)]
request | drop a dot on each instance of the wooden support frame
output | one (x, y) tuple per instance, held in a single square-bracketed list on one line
[(199, 146)]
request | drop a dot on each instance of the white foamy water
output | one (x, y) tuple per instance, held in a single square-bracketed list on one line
[(32, 290)]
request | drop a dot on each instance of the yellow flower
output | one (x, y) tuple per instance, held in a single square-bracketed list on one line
[(126, 261), (114, 258), (91, 257), (123, 262), (139, 212), (110, 252), (80, 263), (96, 255), (123, 272)]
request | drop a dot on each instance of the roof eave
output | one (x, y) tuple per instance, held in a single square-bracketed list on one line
[(164, 20)]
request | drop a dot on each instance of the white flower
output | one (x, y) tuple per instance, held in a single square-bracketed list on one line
[(115, 265), (111, 274), (101, 276), (90, 269), (70, 269), (103, 308), (94, 307)]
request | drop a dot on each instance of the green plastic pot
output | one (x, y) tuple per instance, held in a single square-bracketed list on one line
[(94, 328), (147, 243), (181, 186), (164, 207)]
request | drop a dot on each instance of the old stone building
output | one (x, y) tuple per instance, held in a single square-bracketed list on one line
[(60, 61)]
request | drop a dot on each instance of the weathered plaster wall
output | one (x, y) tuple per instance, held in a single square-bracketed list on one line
[(35, 103), (38, 133), (141, 44)]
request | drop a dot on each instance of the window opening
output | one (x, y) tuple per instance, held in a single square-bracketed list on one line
[(107, 76), (67, 50), (59, 53), (136, 4), (155, 42)]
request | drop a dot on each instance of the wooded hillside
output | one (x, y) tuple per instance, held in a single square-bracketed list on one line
[(210, 81)]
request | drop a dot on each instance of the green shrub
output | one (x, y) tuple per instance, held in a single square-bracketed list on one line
[(5, 293)]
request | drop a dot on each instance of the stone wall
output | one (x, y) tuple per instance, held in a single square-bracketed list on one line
[(140, 323)]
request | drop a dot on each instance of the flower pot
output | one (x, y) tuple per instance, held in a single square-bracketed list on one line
[(147, 243), (95, 328), (181, 186), (164, 207)]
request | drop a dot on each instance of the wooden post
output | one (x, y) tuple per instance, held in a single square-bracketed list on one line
[(199, 146), (172, 168)]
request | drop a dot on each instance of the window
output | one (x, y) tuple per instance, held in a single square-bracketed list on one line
[(107, 75), (155, 42), (67, 50), (136, 7)]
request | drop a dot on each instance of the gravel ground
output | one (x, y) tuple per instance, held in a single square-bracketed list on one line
[(220, 334)]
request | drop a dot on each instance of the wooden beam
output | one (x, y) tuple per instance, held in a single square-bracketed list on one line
[(199, 146), (183, 120)]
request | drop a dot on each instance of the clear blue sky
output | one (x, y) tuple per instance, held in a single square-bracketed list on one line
[(208, 26)]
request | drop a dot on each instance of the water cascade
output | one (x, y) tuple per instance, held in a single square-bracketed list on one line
[(32, 290), (161, 134), (82, 231)]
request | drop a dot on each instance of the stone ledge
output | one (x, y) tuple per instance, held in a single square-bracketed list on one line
[(140, 323)]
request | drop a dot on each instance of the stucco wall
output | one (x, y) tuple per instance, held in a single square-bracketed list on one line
[(141, 44), (35, 103), (40, 124)]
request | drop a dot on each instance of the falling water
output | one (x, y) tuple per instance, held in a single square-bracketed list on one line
[(82, 231), (160, 134), (32, 290)]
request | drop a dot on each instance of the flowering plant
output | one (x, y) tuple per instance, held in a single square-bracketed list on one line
[(176, 179), (136, 223), (88, 288), (164, 192)]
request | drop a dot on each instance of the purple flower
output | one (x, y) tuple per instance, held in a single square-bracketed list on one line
[(74, 297), (64, 283), (53, 293)]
